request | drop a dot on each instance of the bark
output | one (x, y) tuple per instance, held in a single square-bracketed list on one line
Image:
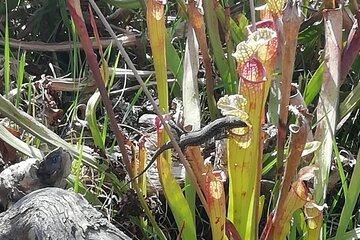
[(54, 213)]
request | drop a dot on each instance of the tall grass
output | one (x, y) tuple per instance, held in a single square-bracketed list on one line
[(20, 77), (6, 54)]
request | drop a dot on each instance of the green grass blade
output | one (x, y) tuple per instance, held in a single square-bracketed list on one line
[(19, 145), (29, 96), (269, 162), (352, 196), (313, 87), (337, 154), (216, 46), (20, 77), (174, 64), (76, 167), (6, 54), (90, 114), (351, 102)]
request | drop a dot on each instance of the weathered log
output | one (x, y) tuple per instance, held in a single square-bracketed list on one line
[(54, 213)]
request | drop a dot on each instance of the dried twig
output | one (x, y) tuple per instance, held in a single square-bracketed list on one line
[(128, 40), (153, 103)]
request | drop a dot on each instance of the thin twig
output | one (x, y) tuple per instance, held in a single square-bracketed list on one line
[(153, 103), (38, 46), (252, 14), (92, 61)]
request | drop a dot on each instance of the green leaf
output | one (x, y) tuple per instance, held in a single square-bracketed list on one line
[(19, 145), (20, 77), (90, 114), (312, 89), (351, 199), (174, 64), (351, 102), (6, 54)]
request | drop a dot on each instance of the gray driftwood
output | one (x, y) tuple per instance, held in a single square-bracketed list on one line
[(54, 213)]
